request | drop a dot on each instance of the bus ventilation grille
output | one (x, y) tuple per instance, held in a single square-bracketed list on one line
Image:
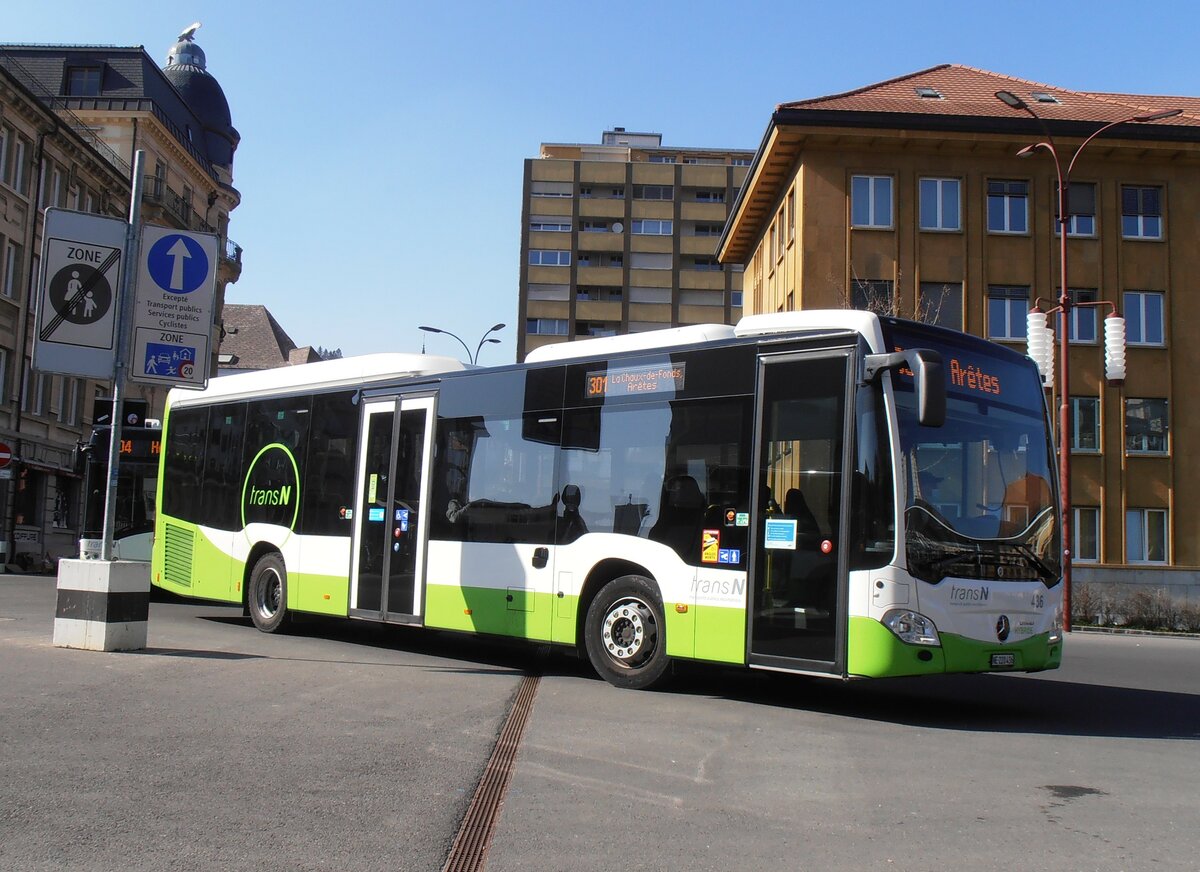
[(177, 555)]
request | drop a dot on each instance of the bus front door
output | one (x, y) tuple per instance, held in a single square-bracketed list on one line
[(798, 614), (390, 526)]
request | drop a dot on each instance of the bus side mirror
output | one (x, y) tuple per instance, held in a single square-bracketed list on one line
[(925, 365)]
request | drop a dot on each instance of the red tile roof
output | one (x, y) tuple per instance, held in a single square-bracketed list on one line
[(968, 91)]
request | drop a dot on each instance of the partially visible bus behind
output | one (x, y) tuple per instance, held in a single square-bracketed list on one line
[(137, 486), (827, 493)]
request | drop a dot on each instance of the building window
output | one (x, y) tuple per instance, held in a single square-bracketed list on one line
[(594, 227), (662, 158), (20, 169), (546, 326), (871, 295), (1146, 536), (871, 201), (1082, 324), (652, 227), (712, 161), (740, 162), (709, 264), (12, 266), (940, 204), (1146, 426), (1144, 318), (1081, 208), (649, 295), (3, 375), (1008, 206), (707, 230), (550, 225), (941, 303), (710, 196), (83, 81), (791, 215), (654, 192), (72, 399), (549, 257), (609, 295), (1007, 306), (1085, 424), (539, 291), (735, 299), (1141, 212), (596, 328), (1086, 534), (550, 189), (651, 260)]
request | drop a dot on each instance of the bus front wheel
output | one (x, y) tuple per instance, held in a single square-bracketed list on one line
[(625, 634), (268, 593)]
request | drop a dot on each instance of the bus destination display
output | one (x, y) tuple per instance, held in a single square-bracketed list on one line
[(635, 380)]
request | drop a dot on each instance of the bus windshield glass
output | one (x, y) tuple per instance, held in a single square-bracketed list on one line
[(980, 498)]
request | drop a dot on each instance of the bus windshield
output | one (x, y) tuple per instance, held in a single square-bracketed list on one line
[(980, 495)]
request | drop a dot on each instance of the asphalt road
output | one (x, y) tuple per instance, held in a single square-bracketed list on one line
[(348, 746)]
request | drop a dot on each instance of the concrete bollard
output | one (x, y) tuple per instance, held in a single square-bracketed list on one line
[(102, 605)]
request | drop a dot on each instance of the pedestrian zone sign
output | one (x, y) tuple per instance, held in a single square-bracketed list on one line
[(78, 294), (173, 317)]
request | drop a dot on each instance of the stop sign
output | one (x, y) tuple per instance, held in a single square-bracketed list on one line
[(5, 455)]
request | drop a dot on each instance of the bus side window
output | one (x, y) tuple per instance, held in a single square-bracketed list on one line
[(184, 463)]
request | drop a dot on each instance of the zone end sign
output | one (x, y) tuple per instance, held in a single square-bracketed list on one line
[(173, 316), (77, 300)]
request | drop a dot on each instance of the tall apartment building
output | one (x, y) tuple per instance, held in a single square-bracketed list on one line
[(909, 193), (621, 237), (71, 118)]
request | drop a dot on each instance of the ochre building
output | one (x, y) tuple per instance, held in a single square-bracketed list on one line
[(909, 196)]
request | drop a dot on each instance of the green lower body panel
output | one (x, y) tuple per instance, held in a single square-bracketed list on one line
[(875, 652), (320, 594), (499, 612), (701, 632)]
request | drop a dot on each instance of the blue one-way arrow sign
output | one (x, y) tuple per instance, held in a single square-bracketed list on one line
[(173, 318), (177, 264)]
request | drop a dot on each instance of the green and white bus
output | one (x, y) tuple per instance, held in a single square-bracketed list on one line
[(825, 492)]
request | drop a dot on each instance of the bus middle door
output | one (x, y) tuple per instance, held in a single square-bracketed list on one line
[(391, 528)]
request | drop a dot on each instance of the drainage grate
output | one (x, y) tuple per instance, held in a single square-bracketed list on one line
[(469, 851)]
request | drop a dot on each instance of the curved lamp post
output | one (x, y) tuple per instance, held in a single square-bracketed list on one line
[(1042, 344), (482, 341)]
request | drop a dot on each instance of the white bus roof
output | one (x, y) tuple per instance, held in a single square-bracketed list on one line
[(864, 323), (691, 335), (343, 372)]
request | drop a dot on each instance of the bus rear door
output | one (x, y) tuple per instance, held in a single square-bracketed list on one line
[(390, 524)]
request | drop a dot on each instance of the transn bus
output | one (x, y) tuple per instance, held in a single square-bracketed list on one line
[(830, 493)]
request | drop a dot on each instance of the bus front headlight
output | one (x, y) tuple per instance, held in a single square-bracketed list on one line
[(1056, 627), (911, 627)]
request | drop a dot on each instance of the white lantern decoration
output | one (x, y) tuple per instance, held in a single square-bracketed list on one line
[(1114, 349), (1040, 343)]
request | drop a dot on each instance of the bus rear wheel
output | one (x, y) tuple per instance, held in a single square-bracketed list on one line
[(625, 635), (267, 596)]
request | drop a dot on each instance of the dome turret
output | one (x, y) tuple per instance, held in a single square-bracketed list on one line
[(186, 69)]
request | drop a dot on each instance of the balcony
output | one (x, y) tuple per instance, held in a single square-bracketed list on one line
[(172, 204)]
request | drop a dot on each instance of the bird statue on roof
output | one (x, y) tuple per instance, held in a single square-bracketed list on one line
[(189, 31)]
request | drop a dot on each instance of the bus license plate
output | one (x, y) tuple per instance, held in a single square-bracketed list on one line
[(1004, 661)]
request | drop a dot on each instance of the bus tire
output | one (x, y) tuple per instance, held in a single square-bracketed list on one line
[(625, 634), (267, 596)]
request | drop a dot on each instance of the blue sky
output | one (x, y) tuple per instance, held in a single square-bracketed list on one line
[(382, 143)]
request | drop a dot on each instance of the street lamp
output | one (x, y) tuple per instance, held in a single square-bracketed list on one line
[(1041, 345), (483, 340)]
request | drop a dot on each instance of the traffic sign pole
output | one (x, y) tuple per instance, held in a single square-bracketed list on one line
[(120, 367)]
